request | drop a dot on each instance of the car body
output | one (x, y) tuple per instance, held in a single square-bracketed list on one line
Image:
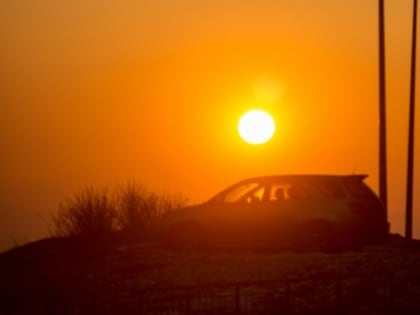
[(285, 211)]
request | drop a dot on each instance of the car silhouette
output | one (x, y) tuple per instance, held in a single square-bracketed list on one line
[(285, 211)]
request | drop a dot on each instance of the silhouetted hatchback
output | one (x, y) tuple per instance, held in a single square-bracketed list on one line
[(288, 211)]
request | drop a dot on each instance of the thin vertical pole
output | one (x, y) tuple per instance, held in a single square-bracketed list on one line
[(410, 158), (383, 194), (238, 300)]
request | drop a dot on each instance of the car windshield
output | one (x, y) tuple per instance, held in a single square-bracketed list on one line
[(237, 193)]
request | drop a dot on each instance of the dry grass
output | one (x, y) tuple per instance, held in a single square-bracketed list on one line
[(131, 208)]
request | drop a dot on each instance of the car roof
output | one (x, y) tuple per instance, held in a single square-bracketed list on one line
[(315, 177), (295, 177)]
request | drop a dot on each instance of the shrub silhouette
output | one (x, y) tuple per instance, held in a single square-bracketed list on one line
[(89, 213), (140, 209), (132, 208)]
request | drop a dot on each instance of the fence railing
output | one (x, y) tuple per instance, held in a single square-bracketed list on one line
[(396, 292), (329, 294)]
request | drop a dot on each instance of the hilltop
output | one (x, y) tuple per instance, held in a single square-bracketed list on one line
[(109, 276)]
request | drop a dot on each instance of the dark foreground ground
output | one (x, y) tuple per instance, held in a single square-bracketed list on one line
[(76, 276)]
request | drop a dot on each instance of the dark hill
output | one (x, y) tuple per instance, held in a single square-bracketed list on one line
[(81, 276)]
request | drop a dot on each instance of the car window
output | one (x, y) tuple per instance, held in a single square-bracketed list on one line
[(238, 192), (287, 191), (256, 195), (331, 188), (279, 191), (358, 189)]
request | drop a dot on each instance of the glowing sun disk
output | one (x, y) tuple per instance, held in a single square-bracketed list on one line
[(256, 127)]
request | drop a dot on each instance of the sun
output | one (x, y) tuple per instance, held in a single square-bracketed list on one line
[(256, 127)]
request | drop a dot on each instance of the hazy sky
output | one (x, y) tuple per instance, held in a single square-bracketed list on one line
[(98, 92)]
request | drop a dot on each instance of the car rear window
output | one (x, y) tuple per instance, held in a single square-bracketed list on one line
[(331, 188), (358, 189)]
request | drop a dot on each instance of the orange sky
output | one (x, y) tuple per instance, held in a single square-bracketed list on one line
[(100, 92)]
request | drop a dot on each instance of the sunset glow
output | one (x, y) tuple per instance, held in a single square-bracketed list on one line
[(256, 127), (100, 92)]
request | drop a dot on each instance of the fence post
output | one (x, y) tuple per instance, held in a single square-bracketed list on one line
[(391, 284), (238, 300), (288, 293), (339, 289), (140, 302), (188, 301)]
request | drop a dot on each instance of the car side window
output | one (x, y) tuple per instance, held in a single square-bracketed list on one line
[(287, 191), (279, 192), (256, 195)]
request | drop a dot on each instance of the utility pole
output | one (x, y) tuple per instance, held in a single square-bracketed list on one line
[(383, 194), (411, 124)]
